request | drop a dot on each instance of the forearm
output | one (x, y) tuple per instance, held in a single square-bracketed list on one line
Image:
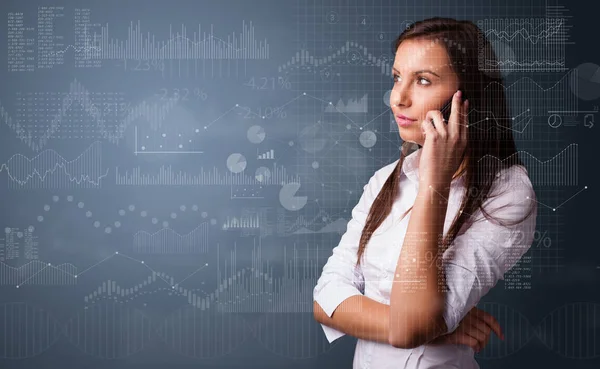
[(416, 301), (360, 317)]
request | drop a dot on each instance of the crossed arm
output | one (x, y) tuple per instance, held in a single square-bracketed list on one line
[(473, 264), (360, 317), (372, 323)]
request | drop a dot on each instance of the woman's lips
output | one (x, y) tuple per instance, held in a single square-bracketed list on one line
[(404, 122)]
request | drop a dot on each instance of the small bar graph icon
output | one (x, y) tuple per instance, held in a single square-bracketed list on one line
[(243, 222), (267, 155)]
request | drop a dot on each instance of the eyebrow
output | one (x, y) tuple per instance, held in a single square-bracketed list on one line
[(419, 71)]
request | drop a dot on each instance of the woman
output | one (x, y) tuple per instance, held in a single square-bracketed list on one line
[(434, 231)]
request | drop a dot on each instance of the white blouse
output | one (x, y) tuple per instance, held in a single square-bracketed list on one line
[(480, 255)]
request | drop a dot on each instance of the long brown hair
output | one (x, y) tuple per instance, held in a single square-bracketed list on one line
[(490, 147)]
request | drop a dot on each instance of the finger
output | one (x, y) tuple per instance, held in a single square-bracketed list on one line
[(478, 330), (483, 327), (475, 326), (492, 323), (438, 122), (465, 124), (443, 339), (428, 129), (455, 115), (463, 339), (487, 340), (486, 330), (481, 337)]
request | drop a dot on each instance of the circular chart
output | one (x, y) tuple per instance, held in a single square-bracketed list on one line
[(313, 138), (368, 139), (386, 97), (256, 134), (236, 163), (585, 81), (262, 174), (288, 198)]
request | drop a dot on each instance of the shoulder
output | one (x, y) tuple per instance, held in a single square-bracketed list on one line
[(513, 181), (512, 195), (375, 184), (381, 176)]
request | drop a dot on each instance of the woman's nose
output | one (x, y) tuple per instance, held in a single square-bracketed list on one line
[(400, 96)]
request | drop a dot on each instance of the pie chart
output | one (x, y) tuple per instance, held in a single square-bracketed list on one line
[(585, 81), (313, 138), (288, 198), (262, 174), (386, 97), (368, 139), (256, 134), (236, 163)]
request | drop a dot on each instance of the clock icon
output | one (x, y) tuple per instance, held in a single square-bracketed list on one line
[(554, 120)]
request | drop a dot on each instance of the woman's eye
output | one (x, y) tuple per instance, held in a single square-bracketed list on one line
[(423, 79), (427, 82)]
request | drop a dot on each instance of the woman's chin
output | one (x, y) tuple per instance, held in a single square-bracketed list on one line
[(411, 137)]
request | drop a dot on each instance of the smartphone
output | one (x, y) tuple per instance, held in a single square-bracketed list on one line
[(447, 109)]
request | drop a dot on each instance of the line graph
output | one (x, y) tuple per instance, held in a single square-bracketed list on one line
[(528, 44), (49, 170), (36, 138)]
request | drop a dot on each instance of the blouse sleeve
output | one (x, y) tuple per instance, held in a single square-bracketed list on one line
[(480, 256), (341, 278)]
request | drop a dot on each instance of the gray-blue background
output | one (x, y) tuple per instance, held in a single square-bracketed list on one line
[(213, 264)]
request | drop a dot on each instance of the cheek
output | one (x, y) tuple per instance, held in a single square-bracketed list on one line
[(425, 103), (420, 105)]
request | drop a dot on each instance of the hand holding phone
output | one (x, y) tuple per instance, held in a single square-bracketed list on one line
[(447, 109), (443, 148)]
